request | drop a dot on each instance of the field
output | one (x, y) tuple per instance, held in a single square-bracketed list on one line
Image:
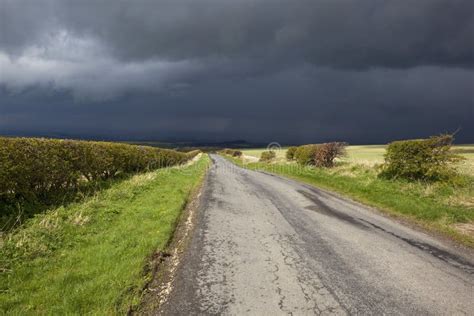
[(91, 257), (257, 152), (446, 208)]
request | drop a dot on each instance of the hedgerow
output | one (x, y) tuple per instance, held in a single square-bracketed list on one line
[(38, 170)]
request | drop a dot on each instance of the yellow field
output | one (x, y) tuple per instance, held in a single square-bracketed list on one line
[(373, 154), (258, 151), (467, 151), (367, 154)]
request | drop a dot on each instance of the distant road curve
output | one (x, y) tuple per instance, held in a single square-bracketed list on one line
[(264, 245)]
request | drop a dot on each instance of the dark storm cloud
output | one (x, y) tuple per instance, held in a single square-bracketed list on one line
[(339, 33), (298, 105), (305, 70)]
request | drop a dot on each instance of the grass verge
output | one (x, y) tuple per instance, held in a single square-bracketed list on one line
[(91, 257), (438, 207)]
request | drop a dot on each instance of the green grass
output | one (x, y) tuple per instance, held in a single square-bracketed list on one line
[(436, 206), (91, 257)]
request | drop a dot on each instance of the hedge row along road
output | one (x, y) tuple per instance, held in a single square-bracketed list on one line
[(264, 245), (39, 172)]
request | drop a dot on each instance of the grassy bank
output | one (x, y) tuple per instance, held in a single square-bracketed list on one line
[(441, 207), (91, 257)]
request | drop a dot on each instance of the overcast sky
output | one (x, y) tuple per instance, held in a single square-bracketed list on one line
[(363, 71)]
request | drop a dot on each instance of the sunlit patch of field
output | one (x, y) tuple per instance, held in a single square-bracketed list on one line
[(466, 151), (365, 154), (258, 151)]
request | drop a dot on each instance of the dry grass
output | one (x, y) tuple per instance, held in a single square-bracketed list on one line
[(465, 228), (467, 151)]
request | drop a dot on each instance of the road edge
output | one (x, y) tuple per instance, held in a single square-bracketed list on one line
[(163, 265)]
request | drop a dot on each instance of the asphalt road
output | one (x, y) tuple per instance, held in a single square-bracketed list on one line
[(264, 245)]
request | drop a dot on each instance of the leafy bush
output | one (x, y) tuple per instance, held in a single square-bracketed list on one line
[(38, 170), (327, 152), (267, 156), (237, 153), (290, 153), (420, 159), (305, 154)]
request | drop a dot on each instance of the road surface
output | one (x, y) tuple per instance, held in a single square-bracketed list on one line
[(264, 245)]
